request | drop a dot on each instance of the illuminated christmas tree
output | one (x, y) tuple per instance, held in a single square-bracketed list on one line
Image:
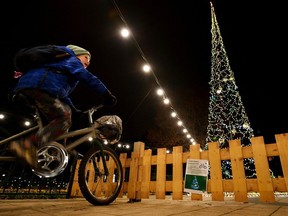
[(227, 119)]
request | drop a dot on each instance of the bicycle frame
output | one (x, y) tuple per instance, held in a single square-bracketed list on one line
[(85, 133)]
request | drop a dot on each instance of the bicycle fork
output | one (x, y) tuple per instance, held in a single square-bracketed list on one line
[(106, 171)]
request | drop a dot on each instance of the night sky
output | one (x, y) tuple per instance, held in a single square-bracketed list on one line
[(175, 38)]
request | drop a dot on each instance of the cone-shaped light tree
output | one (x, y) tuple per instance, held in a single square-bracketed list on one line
[(227, 119)]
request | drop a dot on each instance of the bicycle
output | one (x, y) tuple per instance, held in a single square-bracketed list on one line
[(100, 174)]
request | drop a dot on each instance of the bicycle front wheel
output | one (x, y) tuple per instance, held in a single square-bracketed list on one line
[(97, 186)]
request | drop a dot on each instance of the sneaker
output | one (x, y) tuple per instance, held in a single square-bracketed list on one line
[(24, 150)]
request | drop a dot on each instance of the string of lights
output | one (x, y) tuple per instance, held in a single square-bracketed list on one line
[(126, 33)]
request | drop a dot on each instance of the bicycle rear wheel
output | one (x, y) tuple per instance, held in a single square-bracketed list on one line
[(97, 187)]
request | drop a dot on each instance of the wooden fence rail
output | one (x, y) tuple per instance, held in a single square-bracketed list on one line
[(147, 173)]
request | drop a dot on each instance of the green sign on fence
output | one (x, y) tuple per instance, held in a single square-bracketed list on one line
[(196, 176)]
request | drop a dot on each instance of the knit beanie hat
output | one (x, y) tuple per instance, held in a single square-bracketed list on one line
[(79, 50)]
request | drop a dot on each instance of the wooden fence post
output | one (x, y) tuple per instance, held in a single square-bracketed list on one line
[(146, 174), (75, 191), (262, 170), (195, 154), (177, 185), (161, 173), (215, 172), (238, 172), (135, 176), (282, 144)]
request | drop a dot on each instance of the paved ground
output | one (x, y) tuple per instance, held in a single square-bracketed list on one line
[(150, 207)]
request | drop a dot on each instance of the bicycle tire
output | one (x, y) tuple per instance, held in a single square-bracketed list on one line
[(96, 187)]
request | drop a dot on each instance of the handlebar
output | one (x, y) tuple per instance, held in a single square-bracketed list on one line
[(91, 111)]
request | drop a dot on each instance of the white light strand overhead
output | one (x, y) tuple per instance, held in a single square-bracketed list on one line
[(126, 33)]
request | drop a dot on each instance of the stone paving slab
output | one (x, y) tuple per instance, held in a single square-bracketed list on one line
[(146, 207)]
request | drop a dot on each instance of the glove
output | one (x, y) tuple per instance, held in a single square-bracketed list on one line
[(108, 99)]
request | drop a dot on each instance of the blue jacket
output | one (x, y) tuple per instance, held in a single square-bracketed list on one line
[(61, 78)]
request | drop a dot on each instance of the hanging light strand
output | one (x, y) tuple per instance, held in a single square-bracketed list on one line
[(147, 68)]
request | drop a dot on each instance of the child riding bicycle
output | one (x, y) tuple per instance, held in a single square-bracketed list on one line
[(48, 88)]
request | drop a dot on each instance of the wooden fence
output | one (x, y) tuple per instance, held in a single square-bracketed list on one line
[(139, 167)]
